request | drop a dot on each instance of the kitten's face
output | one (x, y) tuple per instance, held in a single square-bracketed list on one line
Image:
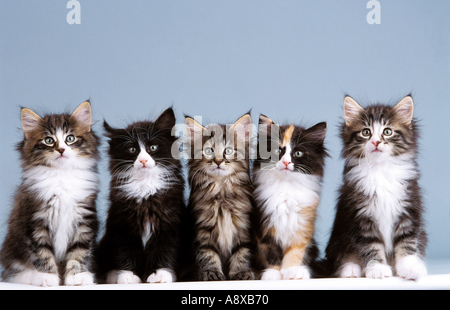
[(143, 147), (294, 149), (378, 132), (217, 151), (60, 140)]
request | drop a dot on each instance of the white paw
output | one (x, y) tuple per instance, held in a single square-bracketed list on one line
[(376, 270), (410, 267), (350, 270), (271, 274), (44, 279), (163, 275), (82, 278), (294, 273), (122, 277)]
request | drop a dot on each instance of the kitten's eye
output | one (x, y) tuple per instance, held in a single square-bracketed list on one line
[(208, 151), (70, 139), (387, 132), (49, 141), (366, 132), (277, 151), (229, 151), (298, 154), (132, 150), (153, 148)]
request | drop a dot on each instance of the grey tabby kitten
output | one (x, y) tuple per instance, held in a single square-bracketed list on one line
[(220, 202), (53, 224), (378, 229)]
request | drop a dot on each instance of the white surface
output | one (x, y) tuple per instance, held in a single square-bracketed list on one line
[(438, 278)]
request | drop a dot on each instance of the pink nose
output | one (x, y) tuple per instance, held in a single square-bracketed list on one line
[(376, 143), (286, 163), (143, 161)]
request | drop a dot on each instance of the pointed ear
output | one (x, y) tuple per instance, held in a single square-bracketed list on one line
[(403, 111), (193, 129), (352, 110), (317, 132), (83, 116), (243, 125), (30, 121), (109, 130), (166, 119), (265, 120)]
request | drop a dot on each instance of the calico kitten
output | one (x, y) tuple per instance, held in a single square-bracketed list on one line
[(146, 199), (378, 227), (53, 224), (220, 201), (287, 185)]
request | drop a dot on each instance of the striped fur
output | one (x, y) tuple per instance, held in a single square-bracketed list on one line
[(378, 228), (220, 201), (287, 194), (53, 224)]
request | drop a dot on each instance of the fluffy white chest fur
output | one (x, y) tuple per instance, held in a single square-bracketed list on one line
[(282, 196), (61, 190), (385, 183)]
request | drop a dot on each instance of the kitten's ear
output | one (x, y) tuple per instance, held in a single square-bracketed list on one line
[(109, 130), (352, 110), (243, 125), (404, 110), (264, 120), (193, 129), (166, 119), (317, 132), (30, 121), (83, 116)]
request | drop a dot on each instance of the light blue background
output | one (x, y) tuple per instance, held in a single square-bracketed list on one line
[(291, 60)]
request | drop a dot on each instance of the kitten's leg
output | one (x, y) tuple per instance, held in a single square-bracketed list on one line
[(240, 266), (43, 258), (161, 254), (291, 266), (408, 262), (376, 266), (210, 264), (79, 256), (350, 268), (271, 255)]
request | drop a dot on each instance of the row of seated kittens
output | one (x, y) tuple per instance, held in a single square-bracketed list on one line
[(236, 226)]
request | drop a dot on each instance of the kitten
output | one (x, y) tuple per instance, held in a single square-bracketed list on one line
[(146, 200), (287, 185), (53, 224), (378, 227), (220, 202)]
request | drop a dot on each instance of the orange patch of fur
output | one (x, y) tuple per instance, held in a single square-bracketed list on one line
[(287, 136)]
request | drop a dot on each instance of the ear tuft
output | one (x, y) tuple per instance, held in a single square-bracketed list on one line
[(30, 121), (83, 116), (404, 110), (352, 110)]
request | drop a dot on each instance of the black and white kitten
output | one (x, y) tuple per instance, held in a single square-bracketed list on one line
[(53, 224), (141, 240), (378, 227)]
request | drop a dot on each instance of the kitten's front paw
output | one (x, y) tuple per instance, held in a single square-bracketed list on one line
[(271, 274), (82, 278), (243, 275), (410, 268), (162, 275), (350, 270), (45, 279), (212, 275), (295, 273), (376, 270), (122, 277)]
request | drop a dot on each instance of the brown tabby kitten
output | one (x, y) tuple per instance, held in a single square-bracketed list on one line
[(221, 199), (53, 224), (378, 229)]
